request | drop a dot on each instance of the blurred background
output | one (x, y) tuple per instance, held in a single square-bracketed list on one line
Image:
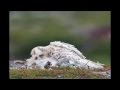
[(89, 31)]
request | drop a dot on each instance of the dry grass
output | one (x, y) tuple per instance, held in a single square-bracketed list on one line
[(56, 73)]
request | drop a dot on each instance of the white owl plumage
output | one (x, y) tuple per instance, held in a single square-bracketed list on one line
[(60, 54)]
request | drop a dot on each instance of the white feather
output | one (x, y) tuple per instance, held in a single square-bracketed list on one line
[(62, 54)]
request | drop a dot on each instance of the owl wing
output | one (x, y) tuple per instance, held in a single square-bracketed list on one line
[(67, 46)]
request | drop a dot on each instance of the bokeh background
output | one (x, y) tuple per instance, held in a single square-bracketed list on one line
[(89, 31)]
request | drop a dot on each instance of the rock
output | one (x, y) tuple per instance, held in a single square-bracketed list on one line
[(17, 64), (60, 77), (106, 74)]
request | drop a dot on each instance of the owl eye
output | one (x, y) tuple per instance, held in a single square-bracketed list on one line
[(36, 58), (41, 55), (51, 53)]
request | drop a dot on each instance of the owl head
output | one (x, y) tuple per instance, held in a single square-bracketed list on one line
[(41, 52)]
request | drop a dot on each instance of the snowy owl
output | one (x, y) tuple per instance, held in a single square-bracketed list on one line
[(56, 50), (58, 53)]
